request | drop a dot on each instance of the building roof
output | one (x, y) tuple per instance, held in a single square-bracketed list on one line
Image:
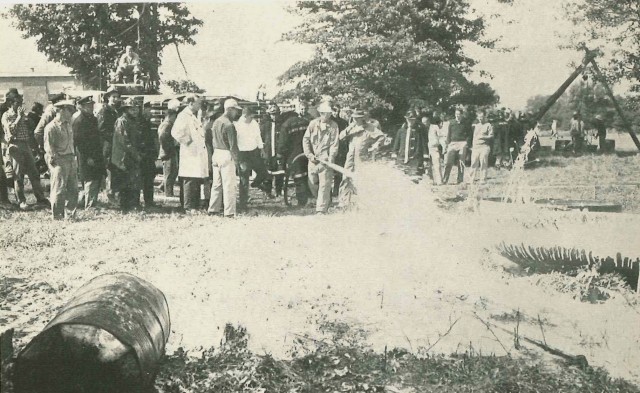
[(34, 74)]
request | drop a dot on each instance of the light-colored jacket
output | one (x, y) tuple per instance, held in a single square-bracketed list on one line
[(321, 143), (188, 131), (438, 136)]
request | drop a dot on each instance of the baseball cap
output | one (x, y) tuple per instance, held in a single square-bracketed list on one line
[(231, 103)]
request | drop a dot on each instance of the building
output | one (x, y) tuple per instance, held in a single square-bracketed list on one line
[(36, 87)]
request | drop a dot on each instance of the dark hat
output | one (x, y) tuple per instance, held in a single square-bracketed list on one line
[(53, 98), (12, 90), (86, 100), (410, 115), (273, 108)]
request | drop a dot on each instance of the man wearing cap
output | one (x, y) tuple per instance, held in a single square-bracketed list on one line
[(411, 146), (251, 150), (129, 63), (577, 132), (169, 148), (60, 156), (457, 145), (126, 157), (86, 138), (17, 136), (270, 129), (193, 168), (359, 136), (107, 117), (47, 116), (290, 146), (321, 142), (224, 161)]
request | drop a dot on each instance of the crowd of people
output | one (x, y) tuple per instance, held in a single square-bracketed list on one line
[(213, 148)]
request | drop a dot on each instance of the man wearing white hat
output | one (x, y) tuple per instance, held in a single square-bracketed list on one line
[(193, 168), (224, 161), (320, 142), (169, 148), (61, 158)]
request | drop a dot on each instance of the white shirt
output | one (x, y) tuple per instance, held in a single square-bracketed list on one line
[(248, 135)]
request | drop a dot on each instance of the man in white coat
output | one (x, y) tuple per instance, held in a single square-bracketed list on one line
[(193, 166)]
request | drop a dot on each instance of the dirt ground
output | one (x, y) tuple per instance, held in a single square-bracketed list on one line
[(411, 266)]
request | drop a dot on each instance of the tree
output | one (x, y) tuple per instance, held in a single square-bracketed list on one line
[(387, 53), (610, 24), (89, 38), (184, 86)]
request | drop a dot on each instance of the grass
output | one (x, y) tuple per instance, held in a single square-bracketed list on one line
[(400, 268)]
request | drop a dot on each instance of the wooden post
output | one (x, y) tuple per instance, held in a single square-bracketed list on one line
[(554, 97), (625, 122)]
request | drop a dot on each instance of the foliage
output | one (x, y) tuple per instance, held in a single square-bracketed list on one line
[(90, 38), (340, 362), (610, 24), (388, 54), (183, 86)]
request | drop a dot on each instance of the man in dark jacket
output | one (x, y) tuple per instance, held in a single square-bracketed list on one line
[(601, 128), (169, 148), (290, 146), (149, 152), (270, 128), (91, 165), (125, 157), (106, 122), (342, 150), (411, 146)]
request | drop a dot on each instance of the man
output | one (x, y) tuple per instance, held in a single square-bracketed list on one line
[(149, 152), (501, 138), (342, 150), (360, 136), (86, 138), (193, 167), (126, 156), (410, 146), (251, 151), (4, 181), (270, 130), (17, 136), (577, 133), (107, 117), (290, 146), (224, 160), (321, 142), (457, 145), (601, 129), (482, 140), (169, 148), (47, 116), (437, 143), (129, 64), (60, 156)]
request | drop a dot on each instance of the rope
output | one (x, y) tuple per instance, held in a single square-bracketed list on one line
[(181, 62)]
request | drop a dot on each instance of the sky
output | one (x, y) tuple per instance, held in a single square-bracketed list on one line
[(239, 48)]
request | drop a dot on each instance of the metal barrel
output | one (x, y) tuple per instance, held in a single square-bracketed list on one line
[(109, 337)]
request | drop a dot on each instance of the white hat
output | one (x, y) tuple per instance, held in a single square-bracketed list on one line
[(174, 105), (324, 108), (63, 103), (231, 103)]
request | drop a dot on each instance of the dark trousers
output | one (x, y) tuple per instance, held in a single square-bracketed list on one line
[(148, 174), (456, 154), (279, 183), (4, 183), (252, 161), (170, 173), (577, 141), (129, 199), (602, 140), (302, 190), (191, 191)]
